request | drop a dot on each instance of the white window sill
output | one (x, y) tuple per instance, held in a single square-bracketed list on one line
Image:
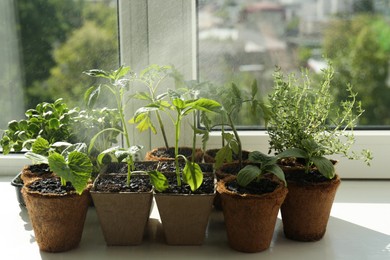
[(358, 229)]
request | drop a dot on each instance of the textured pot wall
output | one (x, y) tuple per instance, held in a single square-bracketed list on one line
[(184, 217), (58, 221), (306, 210)]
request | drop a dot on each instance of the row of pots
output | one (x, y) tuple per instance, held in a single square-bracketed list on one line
[(124, 225)]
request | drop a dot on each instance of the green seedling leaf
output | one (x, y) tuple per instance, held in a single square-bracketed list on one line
[(77, 169), (277, 171), (247, 174), (36, 158), (192, 175), (293, 152), (324, 166), (41, 146), (224, 154), (54, 123), (159, 181)]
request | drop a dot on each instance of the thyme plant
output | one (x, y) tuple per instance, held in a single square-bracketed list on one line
[(305, 122)]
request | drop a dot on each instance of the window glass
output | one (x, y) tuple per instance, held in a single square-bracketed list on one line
[(45, 47), (243, 40)]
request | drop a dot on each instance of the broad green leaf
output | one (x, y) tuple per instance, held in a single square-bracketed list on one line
[(108, 153), (192, 175), (207, 105), (80, 164), (324, 166), (54, 123), (259, 157), (159, 181), (121, 72), (13, 125), (223, 154), (247, 174), (293, 152), (277, 171), (36, 158), (40, 146)]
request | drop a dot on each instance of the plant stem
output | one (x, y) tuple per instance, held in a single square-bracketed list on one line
[(162, 129), (177, 136), (193, 139), (237, 138)]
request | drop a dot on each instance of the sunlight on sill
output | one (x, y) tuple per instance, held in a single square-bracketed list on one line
[(373, 216)]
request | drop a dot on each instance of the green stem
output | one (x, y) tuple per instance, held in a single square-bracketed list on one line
[(238, 140), (162, 129), (177, 136), (193, 139)]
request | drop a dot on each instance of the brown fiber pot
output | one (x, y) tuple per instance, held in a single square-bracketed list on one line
[(150, 156), (184, 217), (306, 210), (57, 220), (250, 219), (122, 215)]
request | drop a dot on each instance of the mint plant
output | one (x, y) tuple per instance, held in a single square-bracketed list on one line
[(305, 121)]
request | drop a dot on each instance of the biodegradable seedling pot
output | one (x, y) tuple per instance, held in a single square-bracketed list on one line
[(250, 219), (122, 215), (184, 217), (306, 210), (57, 220), (184, 214)]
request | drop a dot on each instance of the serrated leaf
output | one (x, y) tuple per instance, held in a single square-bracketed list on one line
[(192, 175), (223, 154), (324, 166), (40, 146), (247, 174)]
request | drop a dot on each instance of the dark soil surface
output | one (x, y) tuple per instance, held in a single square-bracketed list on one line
[(305, 178), (207, 186), (169, 166), (170, 152), (117, 183), (300, 176), (261, 187), (139, 166), (51, 185), (39, 168)]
